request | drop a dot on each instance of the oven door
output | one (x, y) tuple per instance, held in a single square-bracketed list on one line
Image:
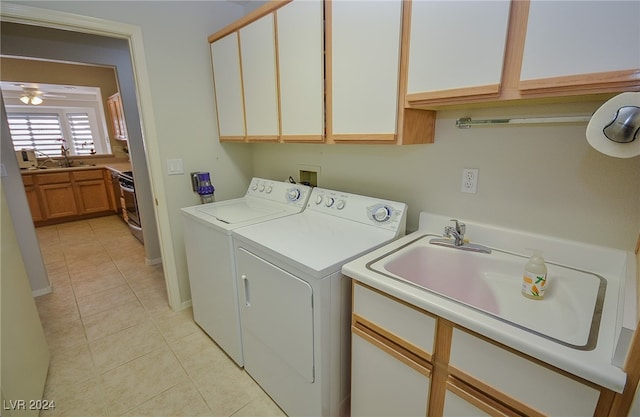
[(130, 210)]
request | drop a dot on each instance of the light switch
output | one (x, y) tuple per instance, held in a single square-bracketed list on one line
[(174, 167)]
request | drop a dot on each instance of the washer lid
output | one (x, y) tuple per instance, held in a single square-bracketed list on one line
[(241, 211), (614, 129)]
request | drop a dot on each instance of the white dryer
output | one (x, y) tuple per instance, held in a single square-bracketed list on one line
[(295, 304), (210, 255)]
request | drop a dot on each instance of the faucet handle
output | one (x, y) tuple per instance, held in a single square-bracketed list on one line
[(460, 227)]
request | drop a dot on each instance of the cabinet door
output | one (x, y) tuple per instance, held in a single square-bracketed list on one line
[(92, 196), (301, 70), (382, 385), (116, 113), (363, 61), (34, 203), (257, 49), (58, 200), (456, 48), (225, 56), (581, 43)]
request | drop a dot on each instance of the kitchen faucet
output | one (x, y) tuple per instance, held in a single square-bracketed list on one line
[(453, 237)]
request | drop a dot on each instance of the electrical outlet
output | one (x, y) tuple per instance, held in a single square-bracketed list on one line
[(469, 180)]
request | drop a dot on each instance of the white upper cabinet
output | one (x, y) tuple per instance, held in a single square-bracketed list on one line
[(578, 38), (301, 69), (363, 60), (225, 57), (457, 45), (258, 53)]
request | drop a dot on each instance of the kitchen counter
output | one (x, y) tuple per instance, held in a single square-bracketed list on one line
[(593, 365), (113, 166)]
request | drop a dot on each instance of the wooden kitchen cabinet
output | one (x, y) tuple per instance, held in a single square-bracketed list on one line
[(457, 369), (600, 51), (116, 114), (61, 196), (456, 48), (91, 192)]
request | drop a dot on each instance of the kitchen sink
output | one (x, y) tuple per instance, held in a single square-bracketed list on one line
[(569, 314)]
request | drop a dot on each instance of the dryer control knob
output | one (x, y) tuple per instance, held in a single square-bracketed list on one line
[(293, 195), (254, 187), (340, 204), (382, 214), (261, 187), (319, 199), (269, 189), (329, 202)]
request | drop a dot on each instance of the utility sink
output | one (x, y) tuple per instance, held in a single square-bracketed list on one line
[(569, 313)]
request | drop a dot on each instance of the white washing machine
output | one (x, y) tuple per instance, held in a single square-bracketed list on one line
[(210, 255), (295, 304)]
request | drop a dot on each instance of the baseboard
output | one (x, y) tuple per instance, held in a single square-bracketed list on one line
[(154, 261), (42, 291)]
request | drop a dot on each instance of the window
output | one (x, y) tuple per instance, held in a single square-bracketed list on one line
[(48, 131)]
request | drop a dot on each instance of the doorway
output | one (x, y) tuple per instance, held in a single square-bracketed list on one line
[(33, 35)]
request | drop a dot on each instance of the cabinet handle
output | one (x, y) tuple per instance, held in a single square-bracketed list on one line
[(247, 299)]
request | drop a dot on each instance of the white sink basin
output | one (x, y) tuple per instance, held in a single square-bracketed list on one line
[(569, 313)]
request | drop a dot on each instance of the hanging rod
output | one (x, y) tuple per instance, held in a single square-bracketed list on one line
[(467, 122)]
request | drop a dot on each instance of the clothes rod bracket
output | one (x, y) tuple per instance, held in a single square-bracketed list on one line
[(467, 122)]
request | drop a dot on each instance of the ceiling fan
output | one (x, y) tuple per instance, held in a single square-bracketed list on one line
[(32, 95)]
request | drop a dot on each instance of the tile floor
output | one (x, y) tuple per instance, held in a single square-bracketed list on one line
[(117, 349)]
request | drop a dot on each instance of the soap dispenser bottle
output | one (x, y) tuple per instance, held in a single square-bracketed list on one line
[(534, 280)]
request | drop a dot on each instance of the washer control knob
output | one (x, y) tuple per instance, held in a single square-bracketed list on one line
[(319, 199), (269, 189), (340, 204), (254, 187), (329, 202), (293, 195), (381, 214), (261, 187)]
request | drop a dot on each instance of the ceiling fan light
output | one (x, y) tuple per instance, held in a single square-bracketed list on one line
[(25, 99), (36, 100)]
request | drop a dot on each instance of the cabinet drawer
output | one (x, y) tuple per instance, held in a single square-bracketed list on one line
[(402, 320), (528, 382), (53, 178), (90, 174), (28, 180)]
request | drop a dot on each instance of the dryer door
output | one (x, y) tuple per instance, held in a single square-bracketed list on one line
[(277, 318)]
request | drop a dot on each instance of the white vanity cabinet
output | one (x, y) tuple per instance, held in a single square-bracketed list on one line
[(600, 47), (387, 378), (363, 69), (258, 54), (407, 361), (456, 48), (227, 79), (300, 47)]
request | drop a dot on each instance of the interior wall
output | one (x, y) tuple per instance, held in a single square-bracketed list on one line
[(44, 72), (543, 178)]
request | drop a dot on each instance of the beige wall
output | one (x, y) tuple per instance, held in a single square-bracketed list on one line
[(26, 70), (545, 179), (25, 357)]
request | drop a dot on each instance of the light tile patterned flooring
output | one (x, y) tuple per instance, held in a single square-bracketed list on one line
[(116, 346)]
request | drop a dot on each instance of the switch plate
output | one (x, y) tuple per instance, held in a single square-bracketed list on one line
[(469, 180), (175, 167)]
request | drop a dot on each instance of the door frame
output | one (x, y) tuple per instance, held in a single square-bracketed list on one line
[(16, 13)]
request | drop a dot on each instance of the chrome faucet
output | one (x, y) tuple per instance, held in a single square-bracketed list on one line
[(453, 237), (456, 232)]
